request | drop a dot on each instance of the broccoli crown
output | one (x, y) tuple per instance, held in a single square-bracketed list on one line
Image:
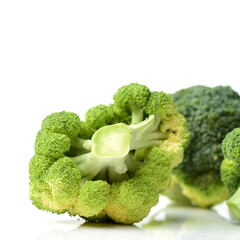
[(113, 164), (211, 113), (230, 169)]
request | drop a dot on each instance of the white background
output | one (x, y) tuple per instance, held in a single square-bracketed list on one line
[(72, 55)]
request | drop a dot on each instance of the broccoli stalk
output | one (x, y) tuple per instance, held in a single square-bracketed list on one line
[(234, 204), (137, 112), (109, 149)]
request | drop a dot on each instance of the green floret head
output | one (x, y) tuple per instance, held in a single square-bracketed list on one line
[(230, 167), (56, 188), (230, 170), (131, 201), (211, 113), (112, 165), (51, 144), (158, 165), (67, 123), (99, 116), (93, 198), (63, 178), (130, 100), (39, 164), (231, 146), (160, 102), (230, 175), (37, 189)]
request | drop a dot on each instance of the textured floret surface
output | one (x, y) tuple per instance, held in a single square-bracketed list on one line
[(211, 113)]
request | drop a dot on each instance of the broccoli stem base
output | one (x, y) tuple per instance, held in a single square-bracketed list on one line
[(234, 204), (109, 149)]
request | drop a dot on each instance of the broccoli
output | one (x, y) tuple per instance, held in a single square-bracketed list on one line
[(230, 170), (113, 165), (211, 113)]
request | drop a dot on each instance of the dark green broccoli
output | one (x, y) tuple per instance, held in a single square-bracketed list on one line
[(230, 170), (211, 113), (113, 164)]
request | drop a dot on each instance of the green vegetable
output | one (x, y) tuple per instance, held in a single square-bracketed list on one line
[(113, 164), (230, 170), (211, 113)]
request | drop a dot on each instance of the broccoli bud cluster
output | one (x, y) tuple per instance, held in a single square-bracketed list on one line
[(230, 170), (211, 113)]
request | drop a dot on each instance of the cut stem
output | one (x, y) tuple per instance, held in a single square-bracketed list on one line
[(234, 204), (108, 154)]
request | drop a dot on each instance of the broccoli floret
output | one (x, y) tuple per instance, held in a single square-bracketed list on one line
[(129, 102), (230, 170), (93, 197), (63, 122), (211, 113), (112, 165), (99, 116), (51, 144)]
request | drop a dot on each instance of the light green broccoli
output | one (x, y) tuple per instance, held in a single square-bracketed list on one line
[(112, 165), (230, 170)]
